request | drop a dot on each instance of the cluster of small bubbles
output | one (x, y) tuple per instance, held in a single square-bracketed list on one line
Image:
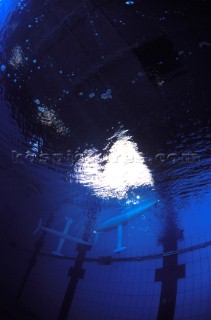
[(129, 3), (41, 108), (132, 201), (91, 95), (66, 91), (3, 67), (140, 75), (106, 95), (122, 22), (49, 118), (37, 101), (17, 57), (22, 5), (70, 75), (35, 144), (182, 53)]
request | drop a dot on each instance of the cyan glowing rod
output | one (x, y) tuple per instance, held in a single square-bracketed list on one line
[(123, 218)]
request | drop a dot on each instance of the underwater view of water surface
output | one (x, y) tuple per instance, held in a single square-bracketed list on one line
[(105, 195)]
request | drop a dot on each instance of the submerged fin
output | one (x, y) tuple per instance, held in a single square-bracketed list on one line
[(96, 237), (57, 253), (39, 227), (119, 240), (119, 249)]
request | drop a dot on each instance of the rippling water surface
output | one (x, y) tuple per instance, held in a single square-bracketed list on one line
[(96, 120)]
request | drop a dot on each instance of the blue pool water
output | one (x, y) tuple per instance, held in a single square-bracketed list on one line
[(105, 160)]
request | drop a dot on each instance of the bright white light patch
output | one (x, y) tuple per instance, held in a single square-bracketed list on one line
[(112, 175)]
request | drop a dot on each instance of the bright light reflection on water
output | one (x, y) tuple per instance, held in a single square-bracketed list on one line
[(113, 174)]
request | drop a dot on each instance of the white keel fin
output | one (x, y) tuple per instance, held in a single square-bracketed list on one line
[(39, 227), (119, 241)]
